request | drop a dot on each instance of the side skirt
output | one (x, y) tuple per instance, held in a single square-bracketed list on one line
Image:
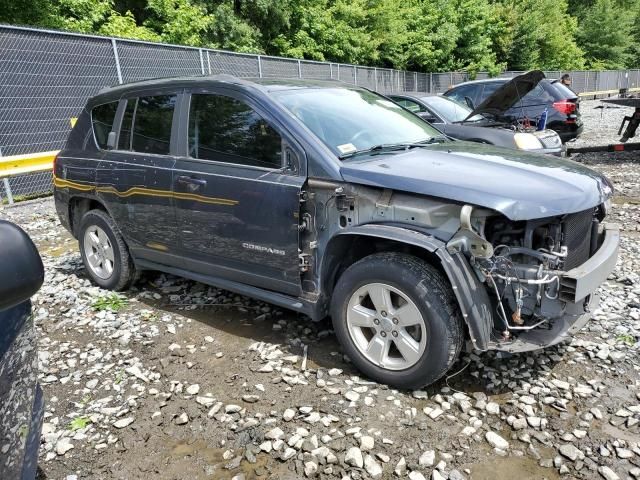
[(279, 299)]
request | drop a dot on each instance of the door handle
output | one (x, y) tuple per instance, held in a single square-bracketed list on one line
[(192, 182)]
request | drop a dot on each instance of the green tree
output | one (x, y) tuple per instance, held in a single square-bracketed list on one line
[(543, 36), (605, 36)]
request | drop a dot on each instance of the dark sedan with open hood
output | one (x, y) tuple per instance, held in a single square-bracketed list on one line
[(523, 101), (333, 200), (459, 121)]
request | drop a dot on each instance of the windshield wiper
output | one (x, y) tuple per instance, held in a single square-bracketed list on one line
[(393, 147)]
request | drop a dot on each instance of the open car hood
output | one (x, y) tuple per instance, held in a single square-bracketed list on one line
[(508, 94)]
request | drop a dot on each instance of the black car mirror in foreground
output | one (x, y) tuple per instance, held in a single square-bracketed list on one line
[(21, 270), (21, 398)]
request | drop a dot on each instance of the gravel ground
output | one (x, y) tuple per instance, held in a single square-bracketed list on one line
[(175, 379)]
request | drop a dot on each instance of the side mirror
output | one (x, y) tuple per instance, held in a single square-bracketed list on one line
[(21, 269), (428, 117), (469, 103), (111, 140)]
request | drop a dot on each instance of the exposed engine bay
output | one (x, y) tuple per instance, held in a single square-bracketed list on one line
[(523, 264)]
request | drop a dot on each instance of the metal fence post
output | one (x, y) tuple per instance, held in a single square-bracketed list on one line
[(355, 75), (7, 189), (299, 69), (114, 46), (201, 61), (375, 78), (331, 71), (208, 62), (259, 66), (338, 66)]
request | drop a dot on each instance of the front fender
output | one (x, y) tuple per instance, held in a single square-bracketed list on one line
[(470, 293)]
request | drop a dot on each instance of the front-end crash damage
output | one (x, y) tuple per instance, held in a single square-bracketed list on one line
[(540, 274)]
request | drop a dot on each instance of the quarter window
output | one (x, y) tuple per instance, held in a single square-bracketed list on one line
[(227, 130), (102, 118)]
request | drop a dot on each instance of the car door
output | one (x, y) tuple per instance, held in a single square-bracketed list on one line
[(237, 201), (134, 179)]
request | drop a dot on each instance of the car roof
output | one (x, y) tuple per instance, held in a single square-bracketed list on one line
[(265, 84), (493, 80), (417, 95)]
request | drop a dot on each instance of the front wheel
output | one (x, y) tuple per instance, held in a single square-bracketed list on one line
[(397, 319)]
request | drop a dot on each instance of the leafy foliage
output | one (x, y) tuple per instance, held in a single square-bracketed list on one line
[(435, 35), (112, 302)]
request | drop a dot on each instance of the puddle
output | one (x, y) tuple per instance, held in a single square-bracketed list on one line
[(522, 468)]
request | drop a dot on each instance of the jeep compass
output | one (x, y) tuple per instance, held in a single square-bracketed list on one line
[(332, 200)]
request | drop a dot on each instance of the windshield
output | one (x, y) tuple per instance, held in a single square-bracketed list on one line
[(450, 110), (350, 120)]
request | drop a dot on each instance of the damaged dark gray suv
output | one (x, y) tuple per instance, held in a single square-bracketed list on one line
[(333, 201)]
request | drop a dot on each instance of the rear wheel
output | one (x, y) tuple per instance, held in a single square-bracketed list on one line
[(397, 319), (104, 252)]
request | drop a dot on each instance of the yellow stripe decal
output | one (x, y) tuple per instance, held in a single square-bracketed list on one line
[(62, 183)]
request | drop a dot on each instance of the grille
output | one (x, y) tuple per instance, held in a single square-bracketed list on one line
[(577, 237)]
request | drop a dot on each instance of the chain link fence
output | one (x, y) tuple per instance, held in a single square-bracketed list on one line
[(47, 76)]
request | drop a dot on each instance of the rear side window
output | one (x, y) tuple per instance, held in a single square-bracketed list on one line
[(102, 118), (152, 124), (460, 93), (488, 90), (410, 105), (538, 96), (224, 129)]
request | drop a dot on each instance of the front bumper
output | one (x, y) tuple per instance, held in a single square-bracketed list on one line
[(577, 287)]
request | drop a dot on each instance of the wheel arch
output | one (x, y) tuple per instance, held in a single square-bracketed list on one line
[(352, 244), (78, 206)]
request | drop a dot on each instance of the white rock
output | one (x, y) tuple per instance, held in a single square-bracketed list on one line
[(288, 453), (401, 467), (607, 473), (366, 443), (493, 408), (416, 475), (372, 467), (123, 422), (206, 401), (427, 459), (182, 419), (436, 475), (571, 452), (288, 414), (496, 441), (354, 458), (352, 396), (274, 434), (193, 389), (310, 468), (63, 446)]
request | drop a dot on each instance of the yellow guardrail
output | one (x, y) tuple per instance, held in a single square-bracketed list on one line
[(28, 163)]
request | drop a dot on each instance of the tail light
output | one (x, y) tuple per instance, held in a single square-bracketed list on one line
[(565, 106)]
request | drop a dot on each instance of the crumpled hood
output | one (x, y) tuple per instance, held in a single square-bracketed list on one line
[(520, 185), (508, 94)]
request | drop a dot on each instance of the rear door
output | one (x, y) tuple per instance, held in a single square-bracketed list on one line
[(134, 180), (237, 203)]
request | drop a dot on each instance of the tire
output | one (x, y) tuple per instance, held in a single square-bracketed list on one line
[(425, 295), (111, 266)]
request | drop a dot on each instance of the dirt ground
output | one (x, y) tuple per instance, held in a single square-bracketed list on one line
[(178, 380)]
